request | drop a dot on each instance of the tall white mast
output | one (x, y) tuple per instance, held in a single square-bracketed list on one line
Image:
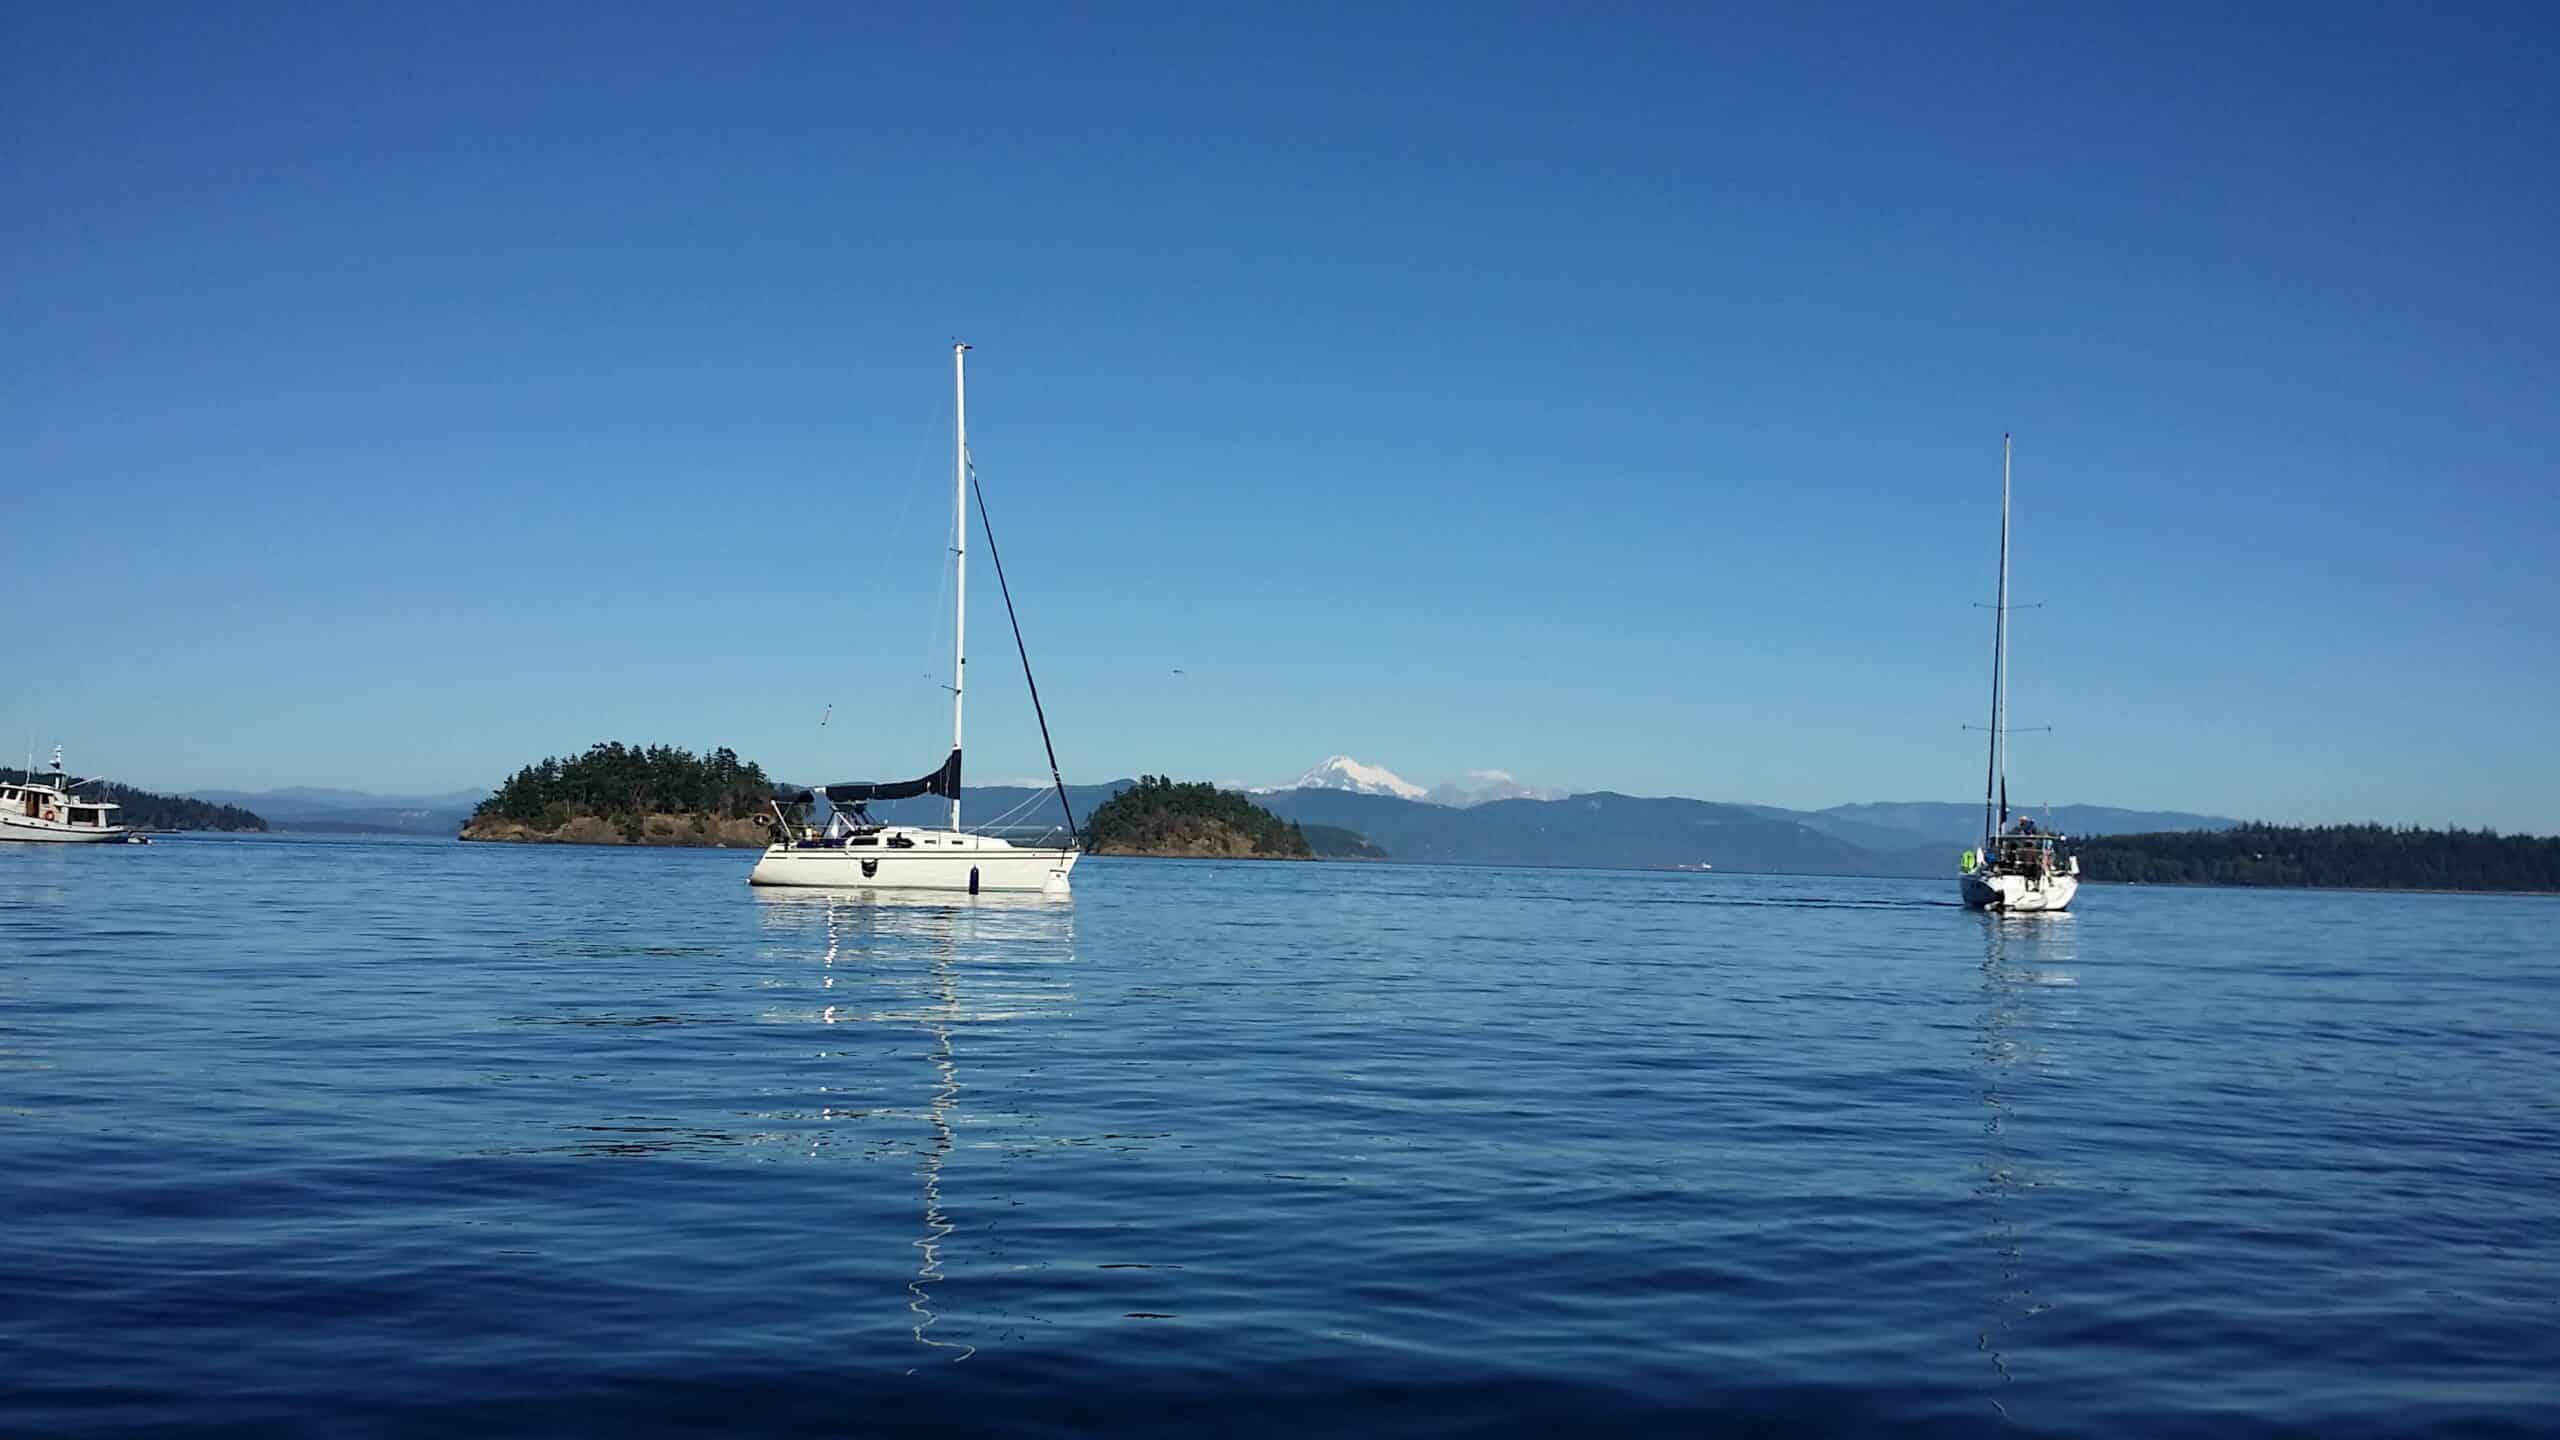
[(1995, 772), (961, 547), (2000, 667)]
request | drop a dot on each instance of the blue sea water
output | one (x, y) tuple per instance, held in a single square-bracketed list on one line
[(335, 1137)]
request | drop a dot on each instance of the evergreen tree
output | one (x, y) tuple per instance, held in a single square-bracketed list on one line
[(2377, 857), (624, 782), (1158, 813), (146, 810)]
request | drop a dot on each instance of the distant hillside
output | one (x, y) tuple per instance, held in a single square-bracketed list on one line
[(1943, 823), (309, 808), (1602, 829), (147, 810), (2374, 857), (1332, 842), (313, 799), (1157, 816)]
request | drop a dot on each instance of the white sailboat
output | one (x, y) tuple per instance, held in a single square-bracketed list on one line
[(855, 851), (2020, 866), (43, 810)]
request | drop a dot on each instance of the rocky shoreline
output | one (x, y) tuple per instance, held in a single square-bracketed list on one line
[(704, 831)]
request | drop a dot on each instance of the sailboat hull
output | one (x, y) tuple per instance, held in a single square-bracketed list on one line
[(2018, 894), (935, 860)]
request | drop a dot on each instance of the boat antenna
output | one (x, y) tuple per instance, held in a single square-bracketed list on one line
[(1019, 648)]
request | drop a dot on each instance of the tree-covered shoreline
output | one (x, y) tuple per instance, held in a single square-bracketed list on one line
[(2340, 857), (1158, 816), (149, 810), (624, 784)]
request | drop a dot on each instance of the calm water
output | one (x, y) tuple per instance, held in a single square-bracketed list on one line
[(341, 1137)]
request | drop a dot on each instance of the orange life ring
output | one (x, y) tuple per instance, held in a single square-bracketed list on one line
[(52, 814)]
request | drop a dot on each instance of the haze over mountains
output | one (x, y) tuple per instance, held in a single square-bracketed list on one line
[(1486, 817), (1600, 828), (313, 808)]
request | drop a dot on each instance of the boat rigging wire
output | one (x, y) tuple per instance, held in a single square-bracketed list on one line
[(989, 526)]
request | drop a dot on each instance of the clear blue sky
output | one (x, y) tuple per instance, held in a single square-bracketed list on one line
[(1611, 397)]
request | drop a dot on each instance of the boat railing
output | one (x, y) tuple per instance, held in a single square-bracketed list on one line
[(1029, 837), (1038, 837)]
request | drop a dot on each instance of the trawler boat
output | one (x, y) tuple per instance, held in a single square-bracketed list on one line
[(2020, 867), (44, 810), (853, 850)]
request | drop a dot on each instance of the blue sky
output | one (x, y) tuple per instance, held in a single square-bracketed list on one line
[(1613, 397)]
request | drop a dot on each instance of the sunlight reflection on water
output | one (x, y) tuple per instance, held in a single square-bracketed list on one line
[(410, 1138)]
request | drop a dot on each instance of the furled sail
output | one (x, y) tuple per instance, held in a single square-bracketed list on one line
[(944, 782)]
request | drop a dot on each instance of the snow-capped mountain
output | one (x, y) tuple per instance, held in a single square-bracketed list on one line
[(1478, 786), (1341, 772)]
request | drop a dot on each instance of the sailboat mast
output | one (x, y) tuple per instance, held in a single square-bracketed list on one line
[(1993, 774), (2003, 666), (961, 549)]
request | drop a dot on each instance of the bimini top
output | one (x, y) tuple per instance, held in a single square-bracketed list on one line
[(944, 782)]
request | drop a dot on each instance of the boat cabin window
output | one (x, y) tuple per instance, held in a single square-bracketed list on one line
[(873, 840)]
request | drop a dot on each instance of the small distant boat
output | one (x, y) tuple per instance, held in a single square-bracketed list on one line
[(2020, 866), (853, 850), (43, 810)]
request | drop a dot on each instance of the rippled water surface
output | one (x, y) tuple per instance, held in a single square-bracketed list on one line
[(379, 1137)]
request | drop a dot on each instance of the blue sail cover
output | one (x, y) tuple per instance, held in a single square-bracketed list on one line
[(944, 782)]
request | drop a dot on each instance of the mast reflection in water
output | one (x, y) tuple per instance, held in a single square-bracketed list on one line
[(2024, 969), (939, 967)]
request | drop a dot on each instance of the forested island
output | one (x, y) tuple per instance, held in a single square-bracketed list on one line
[(1157, 816), (2364, 857), (617, 794), (147, 810)]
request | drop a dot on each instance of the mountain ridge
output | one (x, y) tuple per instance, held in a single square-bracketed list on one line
[(1595, 828), (1601, 828), (326, 810)]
